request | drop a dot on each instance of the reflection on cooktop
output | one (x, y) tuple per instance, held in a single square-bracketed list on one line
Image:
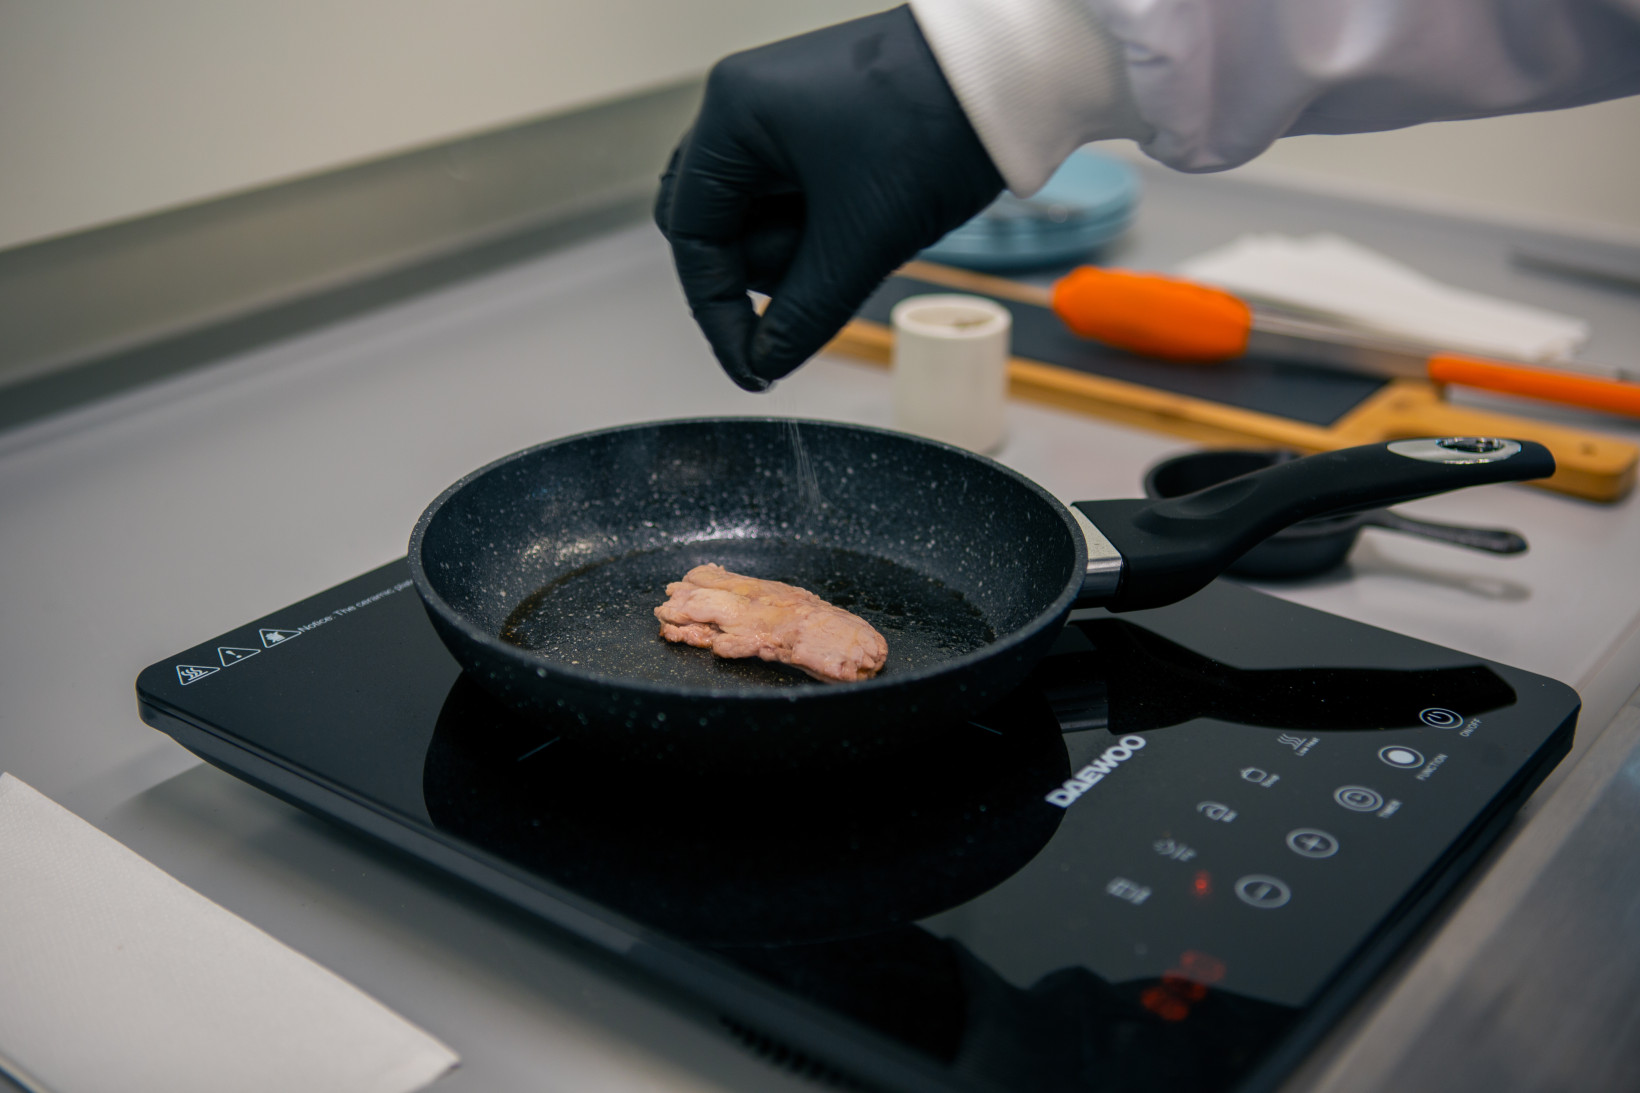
[(817, 887), (768, 861), (789, 859), (1111, 674), (1071, 1032)]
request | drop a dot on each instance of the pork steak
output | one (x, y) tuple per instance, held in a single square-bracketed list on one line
[(739, 616)]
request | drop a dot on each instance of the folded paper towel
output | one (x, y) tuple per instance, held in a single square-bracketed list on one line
[(1338, 280), (115, 976)]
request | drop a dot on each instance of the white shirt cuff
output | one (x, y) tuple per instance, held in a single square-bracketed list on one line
[(1037, 78)]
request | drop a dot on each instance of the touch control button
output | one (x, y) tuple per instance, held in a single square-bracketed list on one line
[(1401, 757), (1263, 892), (1359, 798), (1310, 842), (1439, 718)]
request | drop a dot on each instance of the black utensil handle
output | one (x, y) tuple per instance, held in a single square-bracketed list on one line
[(1492, 540), (1174, 547)]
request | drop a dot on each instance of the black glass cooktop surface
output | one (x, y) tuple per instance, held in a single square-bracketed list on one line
[(1167, 862)]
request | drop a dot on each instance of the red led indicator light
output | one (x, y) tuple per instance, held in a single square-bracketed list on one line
[(1202, 884), (1164, 1004), (1183, 986)]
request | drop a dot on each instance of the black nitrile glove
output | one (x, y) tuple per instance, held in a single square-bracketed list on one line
[(817, 166)]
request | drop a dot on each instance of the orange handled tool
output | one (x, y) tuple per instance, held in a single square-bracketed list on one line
[(1546, 384), (1152, 315), (1177, 320)]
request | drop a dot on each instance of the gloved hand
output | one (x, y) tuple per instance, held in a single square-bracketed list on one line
[(816, 167)]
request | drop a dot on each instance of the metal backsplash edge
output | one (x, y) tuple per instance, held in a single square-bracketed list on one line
[(86, 315)]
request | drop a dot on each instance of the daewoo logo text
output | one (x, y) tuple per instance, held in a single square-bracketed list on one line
[(1094, 773)]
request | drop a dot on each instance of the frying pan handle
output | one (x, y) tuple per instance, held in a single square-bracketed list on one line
[(1173, 548)]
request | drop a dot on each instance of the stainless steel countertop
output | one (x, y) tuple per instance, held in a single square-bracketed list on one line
[(138, 526)]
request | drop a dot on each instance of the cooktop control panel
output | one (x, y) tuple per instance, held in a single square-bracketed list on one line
[(1167, 862), (1250, 822)]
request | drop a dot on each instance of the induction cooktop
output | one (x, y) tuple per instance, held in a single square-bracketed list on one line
[(1169, 861)]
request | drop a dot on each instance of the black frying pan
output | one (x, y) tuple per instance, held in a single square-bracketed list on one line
[(541, 570)]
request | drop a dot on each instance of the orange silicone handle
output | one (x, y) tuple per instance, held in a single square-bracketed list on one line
[(1152, 315), (1549, 385)]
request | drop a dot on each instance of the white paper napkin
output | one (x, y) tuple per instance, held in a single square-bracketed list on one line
[(117, 978), (1336, 279)]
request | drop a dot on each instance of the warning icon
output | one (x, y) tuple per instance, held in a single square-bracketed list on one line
[(193, 673), (270, 638), (232, 654)]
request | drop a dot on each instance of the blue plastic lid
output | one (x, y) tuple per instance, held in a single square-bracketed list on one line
[(1089, 201)]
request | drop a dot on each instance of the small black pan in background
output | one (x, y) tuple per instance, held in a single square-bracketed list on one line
[(1310, 546)]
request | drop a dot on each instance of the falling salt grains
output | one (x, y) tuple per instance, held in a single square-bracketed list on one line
[(804, 481)]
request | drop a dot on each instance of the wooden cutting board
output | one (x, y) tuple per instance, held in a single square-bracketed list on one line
[(1238, 404)]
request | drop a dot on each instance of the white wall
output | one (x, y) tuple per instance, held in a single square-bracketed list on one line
[(114, 108), (1578, 169)]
